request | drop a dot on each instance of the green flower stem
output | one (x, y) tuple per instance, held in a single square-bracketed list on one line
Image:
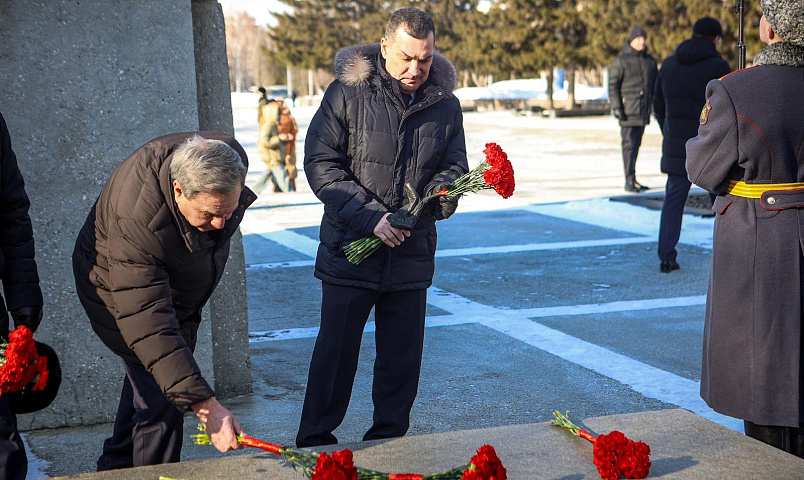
[(562, 420), (358, 250)]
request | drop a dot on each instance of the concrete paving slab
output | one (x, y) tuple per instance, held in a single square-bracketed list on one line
[(586, 275), (683, 446), (669, 339)]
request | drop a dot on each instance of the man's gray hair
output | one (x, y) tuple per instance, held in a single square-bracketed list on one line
[(417, 23), (204, 165)]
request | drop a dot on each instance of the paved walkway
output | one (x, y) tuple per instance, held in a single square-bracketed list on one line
[(549, 300)]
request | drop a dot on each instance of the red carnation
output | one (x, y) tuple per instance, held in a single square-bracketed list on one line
[(485, 465), (20, 362), (495, 172), (615, 455), (338, 466)]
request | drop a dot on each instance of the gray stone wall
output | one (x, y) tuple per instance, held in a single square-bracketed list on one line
[(82, 85), (232, 365)]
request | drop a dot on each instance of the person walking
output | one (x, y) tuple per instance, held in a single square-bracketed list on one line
[(389, 119), (749, 152), (680, 93), (149, 256), (273, 144), (23, 296), (632, 79)]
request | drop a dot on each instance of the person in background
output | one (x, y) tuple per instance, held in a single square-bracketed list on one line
[(632, 79), (389, 119), (273, 142), (263, 100), (23, 296), (680, 93), (149, 256), (749, 152), (286, 124)]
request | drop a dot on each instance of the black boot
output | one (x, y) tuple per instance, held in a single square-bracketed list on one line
[(789, 439)]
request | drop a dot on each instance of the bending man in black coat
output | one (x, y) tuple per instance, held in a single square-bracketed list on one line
[(23, 297), (680, 94), (388, 119)]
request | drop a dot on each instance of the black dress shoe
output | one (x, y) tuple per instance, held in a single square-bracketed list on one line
[(631, 187), (641, 187), (668, 266)]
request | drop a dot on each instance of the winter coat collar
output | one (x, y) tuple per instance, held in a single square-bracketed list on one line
[(784, 54), (355, 65)]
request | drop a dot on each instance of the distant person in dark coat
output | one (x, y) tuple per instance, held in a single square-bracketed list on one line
[(632, 78), (749, 152), (388, 119), (680, 94), (150, 254), (23, 297)]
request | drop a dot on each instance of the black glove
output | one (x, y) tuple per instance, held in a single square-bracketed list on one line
[(406, 217), (28, 316), (447, 204), (618, 114)]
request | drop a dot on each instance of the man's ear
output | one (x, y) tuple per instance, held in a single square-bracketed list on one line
[(177, 192), (384, 48)]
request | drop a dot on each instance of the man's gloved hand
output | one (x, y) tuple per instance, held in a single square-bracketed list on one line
[(618, 114), (28, 316), (406, 217), (447, 204)]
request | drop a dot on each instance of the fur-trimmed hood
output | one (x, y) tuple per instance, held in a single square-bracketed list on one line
[(356, 64)]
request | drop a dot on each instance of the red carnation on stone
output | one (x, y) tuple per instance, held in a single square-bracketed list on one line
[(485, 465), (615, 455), (338, 466)]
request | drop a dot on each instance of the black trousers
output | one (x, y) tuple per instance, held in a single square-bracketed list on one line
[(675, 197), (631, 141), (148, 428), (399, 336)]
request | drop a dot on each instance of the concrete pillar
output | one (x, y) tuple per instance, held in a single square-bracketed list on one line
[(82, 85), (227, 307)]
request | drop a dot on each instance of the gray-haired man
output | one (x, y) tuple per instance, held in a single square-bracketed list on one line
[(149, 256)]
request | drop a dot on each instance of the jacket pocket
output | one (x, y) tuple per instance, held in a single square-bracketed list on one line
[(631, 104)]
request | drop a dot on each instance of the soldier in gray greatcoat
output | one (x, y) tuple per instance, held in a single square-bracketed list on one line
[(749, 152)]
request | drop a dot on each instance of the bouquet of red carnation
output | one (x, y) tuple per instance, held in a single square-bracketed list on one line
[(339, 465), (495, 172), (615, 455), (20, 362)]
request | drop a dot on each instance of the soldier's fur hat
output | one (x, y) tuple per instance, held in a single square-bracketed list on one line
[(786, 17)]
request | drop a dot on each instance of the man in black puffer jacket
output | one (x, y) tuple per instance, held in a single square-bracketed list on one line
[(388, 119), (23, 296), (631, 81), (680, 94)]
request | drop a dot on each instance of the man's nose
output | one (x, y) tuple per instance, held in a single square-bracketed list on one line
[(218, 222), (413, 67)]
